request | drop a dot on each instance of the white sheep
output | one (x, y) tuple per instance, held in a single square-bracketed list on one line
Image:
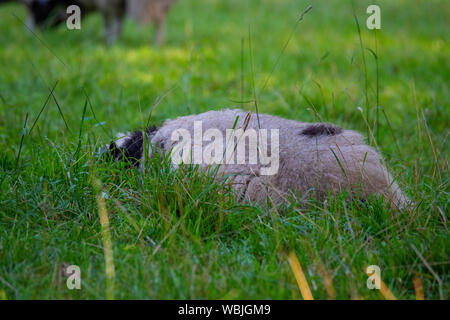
[(292, 158)]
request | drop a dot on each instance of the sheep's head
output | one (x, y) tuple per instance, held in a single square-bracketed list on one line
[(128, 147)]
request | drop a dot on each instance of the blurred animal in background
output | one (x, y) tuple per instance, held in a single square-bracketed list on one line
[(51, 13), (146, 11)]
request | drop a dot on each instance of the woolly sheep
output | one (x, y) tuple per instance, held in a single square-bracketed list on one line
[(313, 159)]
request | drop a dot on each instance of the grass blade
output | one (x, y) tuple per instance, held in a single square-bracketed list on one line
[(300, 277), (43, 107), (418, 287), (21, 141), (106, 239)]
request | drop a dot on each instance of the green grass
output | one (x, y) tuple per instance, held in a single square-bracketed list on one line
[(179, 235)]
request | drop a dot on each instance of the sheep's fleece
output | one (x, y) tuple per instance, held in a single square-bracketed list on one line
[(315, 159)]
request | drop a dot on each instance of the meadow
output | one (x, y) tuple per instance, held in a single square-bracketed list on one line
[(180, 235)]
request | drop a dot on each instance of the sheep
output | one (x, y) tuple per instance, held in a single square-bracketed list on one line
[(54, 12), (296, 158)]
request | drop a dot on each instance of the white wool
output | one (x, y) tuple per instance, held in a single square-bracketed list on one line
[(121, 138), (309, 165)]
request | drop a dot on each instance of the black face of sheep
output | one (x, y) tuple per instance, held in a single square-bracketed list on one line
[(130, 150), (127, 148)]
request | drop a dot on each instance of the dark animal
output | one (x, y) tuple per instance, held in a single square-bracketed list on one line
[(51, 13)]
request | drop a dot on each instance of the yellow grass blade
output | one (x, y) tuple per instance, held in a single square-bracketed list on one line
[(384, 290), (327, 281), (300, 277), (418, 288), (106, 240), (387, 294)]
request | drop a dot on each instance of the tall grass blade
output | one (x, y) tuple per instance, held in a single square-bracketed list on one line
[(106, 238), (300, 277), (21, 140)]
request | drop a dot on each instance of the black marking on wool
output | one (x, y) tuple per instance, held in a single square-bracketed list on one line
[(321, 129), (132, 148)]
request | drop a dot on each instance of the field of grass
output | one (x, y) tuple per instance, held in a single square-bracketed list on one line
[(179, 235)]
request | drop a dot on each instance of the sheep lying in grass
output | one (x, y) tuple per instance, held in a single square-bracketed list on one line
[(267, 157)]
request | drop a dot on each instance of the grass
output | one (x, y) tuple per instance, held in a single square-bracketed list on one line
[(180, 235)]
